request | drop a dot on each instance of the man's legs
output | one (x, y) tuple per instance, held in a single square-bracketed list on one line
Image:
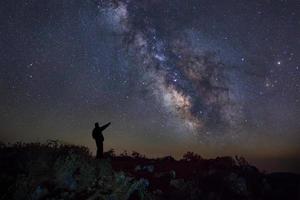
[(99, 150)]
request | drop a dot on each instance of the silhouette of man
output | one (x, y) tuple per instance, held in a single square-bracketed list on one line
[(97, 135)]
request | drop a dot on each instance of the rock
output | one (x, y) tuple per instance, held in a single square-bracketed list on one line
[(157, 192), (195, 194), (171, 174), (70, 183), (39, 192), (177, 183), (237, 184), (138, 168), (149, 168), (146, 168)]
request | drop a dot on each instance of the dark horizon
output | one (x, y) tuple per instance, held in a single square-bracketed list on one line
[(264, 164)]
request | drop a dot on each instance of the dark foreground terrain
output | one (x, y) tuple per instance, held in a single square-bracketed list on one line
[(59, 171)]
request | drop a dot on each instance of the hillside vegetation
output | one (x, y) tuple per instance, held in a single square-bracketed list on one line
[(59, 171)]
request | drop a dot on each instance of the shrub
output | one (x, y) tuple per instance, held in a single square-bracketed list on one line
[(191, 156)]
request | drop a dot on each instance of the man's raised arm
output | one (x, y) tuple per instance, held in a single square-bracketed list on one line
[(105, 126)]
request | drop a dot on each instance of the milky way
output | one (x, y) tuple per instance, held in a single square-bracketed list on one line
[(190, 82)]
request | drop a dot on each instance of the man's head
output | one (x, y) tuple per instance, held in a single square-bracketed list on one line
[(96, 124)]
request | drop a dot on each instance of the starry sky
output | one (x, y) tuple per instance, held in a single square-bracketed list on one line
[(214, 77)]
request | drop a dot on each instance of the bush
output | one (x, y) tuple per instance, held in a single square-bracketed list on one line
[(191, 156), (61, 171)]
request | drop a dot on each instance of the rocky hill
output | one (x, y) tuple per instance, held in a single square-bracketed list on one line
[(59, 171)]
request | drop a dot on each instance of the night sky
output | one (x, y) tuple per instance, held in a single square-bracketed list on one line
[(214, 77)]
